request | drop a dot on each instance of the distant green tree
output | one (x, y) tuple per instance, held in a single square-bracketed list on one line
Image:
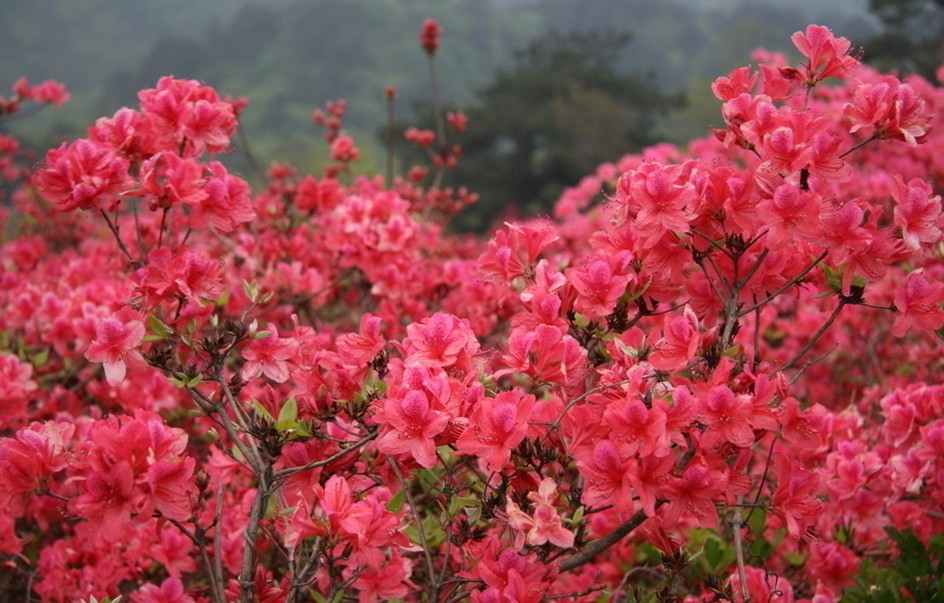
[(911, 38), (559, 111)]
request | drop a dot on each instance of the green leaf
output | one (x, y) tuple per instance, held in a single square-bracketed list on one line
[(913, 559), (157, 328), (459, 503), (718, 555), (578, 516), (396, 502), (580, 320), (629, 351), (41, 358), (289, 410), (251, 290), (262, 412), (473, 514), (795, 559), (757, 522)]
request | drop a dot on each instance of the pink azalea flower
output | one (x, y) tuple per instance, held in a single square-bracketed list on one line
[(171, 590), (409, 426), (600, 283), (917, 212), (827, 55), (919, 304), (115, 346), (544, 524), (269, 356), (496, 426)]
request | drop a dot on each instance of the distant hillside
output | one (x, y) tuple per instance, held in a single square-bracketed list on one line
[(289, 56)]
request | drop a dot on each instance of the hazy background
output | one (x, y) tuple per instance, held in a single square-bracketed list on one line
[(290, 56)]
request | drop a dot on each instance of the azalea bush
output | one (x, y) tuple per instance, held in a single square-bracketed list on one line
[(715, 373)]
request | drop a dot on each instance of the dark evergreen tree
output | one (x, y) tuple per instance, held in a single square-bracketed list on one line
[(560, 110), (912, 36)]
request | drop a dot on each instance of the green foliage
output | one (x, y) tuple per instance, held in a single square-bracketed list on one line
[(916, 573), (561, 109), (910, 39)]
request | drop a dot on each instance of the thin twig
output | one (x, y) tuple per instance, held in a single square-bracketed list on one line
[(114, 231), (419, 528), (595, 547), (197, 539), (246, 579), (388, 172), (218, 537), (584, 395), (736, 525), (284, 473), (816, 336), (794, 281), (750, 273), (860, 145)]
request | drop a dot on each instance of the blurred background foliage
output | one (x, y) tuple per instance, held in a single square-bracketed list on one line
[(552, 87)]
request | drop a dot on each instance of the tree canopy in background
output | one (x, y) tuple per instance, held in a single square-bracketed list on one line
[(561, 109), (912, 36), (290, 56)]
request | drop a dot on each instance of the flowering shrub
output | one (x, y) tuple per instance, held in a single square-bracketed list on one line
[(718, 380)]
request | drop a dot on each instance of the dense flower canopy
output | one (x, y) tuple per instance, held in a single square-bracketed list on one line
[(313, 392)]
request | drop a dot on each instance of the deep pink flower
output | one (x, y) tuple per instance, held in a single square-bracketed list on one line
[(171, 590), (170, 484), (496, 427), (679, 342), (344, 150), (116, 346), (728, 417), (409, 425), (795, 499), (919, 304), (172, 274), (917, 212), (226, 203), (16, 386), (50, 91), (695, 493), (168, 179), (83, 175), (827, 55), (109, 500), (269, 355), (658, 198), (429, 36), (30, 460), (607, 475), (441, 340), (637, 429), (600, 282), (190, 116), (545, 354), (791, 213), (890, 110)]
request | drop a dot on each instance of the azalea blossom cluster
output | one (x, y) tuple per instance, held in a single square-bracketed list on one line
[(313, 392)]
